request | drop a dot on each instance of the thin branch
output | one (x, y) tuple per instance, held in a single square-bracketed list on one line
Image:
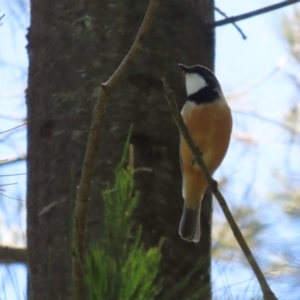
[(16, 174), (38, 117), (282, 125), (83, 190), (267, 292), (2, 18), (253, 13), (13, 255), (236, 27), (11, 160), (7, 184), (12, 198)]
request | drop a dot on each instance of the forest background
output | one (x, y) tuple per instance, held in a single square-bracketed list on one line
[(259, 77)]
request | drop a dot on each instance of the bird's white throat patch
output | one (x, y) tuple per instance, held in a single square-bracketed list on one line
[(194, 82)]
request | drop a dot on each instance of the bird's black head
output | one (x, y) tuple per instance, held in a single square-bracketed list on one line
[(201, 84)]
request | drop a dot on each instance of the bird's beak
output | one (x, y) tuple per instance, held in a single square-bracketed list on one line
[(184, 68)]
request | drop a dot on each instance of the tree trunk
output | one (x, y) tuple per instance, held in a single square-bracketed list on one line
[(73, 47)]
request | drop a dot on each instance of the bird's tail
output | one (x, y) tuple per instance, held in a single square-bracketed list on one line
[(189, 228)]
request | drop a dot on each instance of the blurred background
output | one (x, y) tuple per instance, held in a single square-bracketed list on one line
[(260, 176)]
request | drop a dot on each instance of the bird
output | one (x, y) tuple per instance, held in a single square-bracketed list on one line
[(209, 121)]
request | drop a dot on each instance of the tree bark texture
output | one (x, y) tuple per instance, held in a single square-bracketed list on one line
[(73, 47)]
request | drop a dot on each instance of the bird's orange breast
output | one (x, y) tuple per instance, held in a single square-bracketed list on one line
[(210, 127)]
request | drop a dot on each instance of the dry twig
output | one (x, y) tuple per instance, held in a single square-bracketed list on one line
[(237, 27), (83, 190), (13, 255), (253, 13), (2, 18)]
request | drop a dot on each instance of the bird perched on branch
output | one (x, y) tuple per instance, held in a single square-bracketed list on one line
[(208, 119)]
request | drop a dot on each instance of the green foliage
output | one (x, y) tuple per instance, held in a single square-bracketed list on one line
[(121, 268)]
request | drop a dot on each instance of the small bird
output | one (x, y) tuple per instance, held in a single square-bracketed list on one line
[(208, 119)]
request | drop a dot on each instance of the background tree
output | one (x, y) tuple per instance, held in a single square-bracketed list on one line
[(72, 49), (232, 72)]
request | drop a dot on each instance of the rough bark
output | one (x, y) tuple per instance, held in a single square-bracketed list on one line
[(73, 47)]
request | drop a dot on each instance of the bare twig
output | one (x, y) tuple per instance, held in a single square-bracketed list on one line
[(237, 27), (282, 125), (36, 118), (267, 292), (13, 255), (2, 18), (253, 13), (83, 189), (12, 160), (16, 174)]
